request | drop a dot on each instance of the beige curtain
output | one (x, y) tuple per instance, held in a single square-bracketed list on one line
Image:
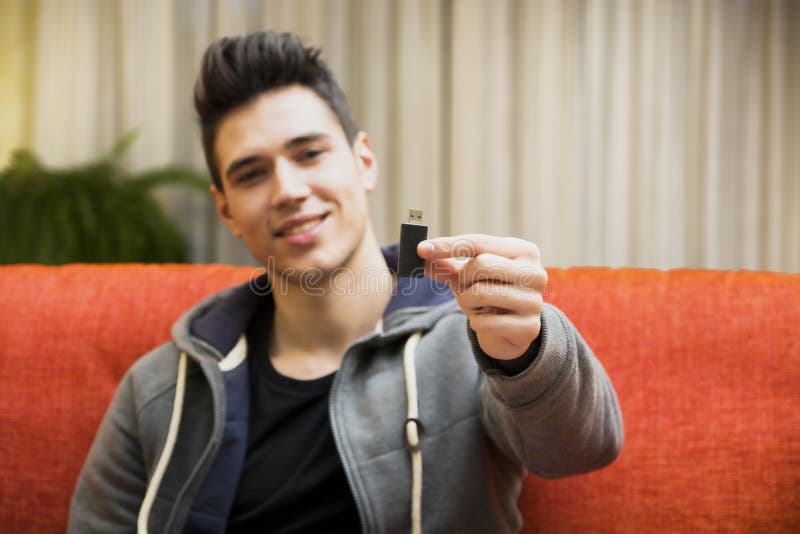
[(647, 133)]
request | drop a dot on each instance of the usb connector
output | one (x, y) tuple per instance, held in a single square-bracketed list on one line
[(415, 216), (412, 233)]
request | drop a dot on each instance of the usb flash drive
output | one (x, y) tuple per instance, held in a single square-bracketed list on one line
[(412, 233)]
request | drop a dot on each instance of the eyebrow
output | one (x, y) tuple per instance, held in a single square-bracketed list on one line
[(304, 139), (291, 143)]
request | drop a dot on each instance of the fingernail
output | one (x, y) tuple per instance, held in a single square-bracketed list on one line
[(425, 246)]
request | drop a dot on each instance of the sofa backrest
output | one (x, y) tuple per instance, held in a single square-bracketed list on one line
[(706, 365)]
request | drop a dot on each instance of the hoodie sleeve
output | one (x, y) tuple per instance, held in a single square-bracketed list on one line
[(112, 482), (558, 417)]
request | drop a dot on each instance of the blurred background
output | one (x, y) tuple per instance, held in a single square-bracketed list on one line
[(649, 133)]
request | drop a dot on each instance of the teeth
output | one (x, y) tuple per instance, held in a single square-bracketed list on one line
[(306, 226)]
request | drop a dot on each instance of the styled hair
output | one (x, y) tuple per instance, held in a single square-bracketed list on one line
[(237, 70)]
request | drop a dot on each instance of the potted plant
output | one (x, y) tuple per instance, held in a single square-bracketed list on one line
[(90, 213)]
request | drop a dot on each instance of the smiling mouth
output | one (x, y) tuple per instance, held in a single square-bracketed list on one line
[(301, 228)]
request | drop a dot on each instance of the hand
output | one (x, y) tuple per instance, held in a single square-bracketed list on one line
[(498, 283)]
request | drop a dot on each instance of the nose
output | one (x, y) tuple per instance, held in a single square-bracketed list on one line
[(288, 185)]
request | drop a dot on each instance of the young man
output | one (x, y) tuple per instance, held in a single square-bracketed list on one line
[(342, 398)]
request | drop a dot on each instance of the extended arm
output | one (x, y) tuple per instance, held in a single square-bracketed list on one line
[(560, 415), (546, 401)]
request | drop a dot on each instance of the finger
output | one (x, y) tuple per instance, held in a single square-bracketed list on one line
[(522, 274), (528, 277), (496, 298), (471, 245), (444, 270)]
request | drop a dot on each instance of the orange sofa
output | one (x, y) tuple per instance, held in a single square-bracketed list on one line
[(706, 365)]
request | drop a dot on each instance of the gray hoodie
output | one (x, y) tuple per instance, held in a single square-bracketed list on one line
[(170, 449)]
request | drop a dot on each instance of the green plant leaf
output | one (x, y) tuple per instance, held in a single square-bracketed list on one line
[(170, 176), (95, 212), (122, 146)]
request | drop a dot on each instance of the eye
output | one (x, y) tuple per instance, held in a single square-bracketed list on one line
[(310, 155), (250, 175)]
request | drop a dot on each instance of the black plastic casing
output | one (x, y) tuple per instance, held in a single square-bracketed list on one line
[(409, 264)]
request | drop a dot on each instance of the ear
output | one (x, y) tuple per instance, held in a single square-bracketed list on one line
[(366, 160), (223, 211)]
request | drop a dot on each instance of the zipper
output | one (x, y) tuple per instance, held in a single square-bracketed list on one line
[(335, 431), (336, 440)]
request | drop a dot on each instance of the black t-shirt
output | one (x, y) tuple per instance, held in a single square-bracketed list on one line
[(293, 480)]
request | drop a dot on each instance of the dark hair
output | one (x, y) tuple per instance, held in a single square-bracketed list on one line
[(236, 70)]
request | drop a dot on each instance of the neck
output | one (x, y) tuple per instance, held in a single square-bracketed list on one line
[(340, 308)]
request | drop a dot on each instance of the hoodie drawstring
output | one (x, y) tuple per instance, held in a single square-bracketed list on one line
[(166, 453), (413, 431)]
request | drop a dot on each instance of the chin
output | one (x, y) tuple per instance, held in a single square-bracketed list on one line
[(309, 267)]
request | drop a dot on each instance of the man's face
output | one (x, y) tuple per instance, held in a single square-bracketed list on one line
[(294, 189)]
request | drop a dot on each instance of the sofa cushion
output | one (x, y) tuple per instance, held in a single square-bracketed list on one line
[(706, 365)]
